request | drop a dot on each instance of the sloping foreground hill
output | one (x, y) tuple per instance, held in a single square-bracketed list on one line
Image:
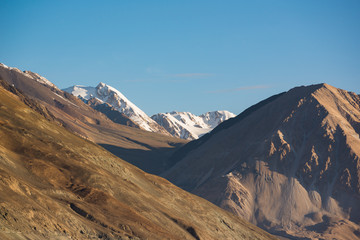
[(290, 164), (144, 149), (56, 185)]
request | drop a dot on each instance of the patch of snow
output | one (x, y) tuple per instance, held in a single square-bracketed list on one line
[(3, 65), (31, 75), (66, 99), (82, 91), (216, 117), (39, 78)]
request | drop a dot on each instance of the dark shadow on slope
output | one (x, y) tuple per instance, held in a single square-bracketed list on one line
[(110, 112), (151, 161), (182, 152)]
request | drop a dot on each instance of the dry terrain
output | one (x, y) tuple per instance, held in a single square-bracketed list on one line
[(290, 164), (57, 185)]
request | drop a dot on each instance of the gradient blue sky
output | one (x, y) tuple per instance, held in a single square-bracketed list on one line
[(184, 55)]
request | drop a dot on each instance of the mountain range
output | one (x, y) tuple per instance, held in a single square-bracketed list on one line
[(147, 150), (290, 164), (185, 125), (57, 185), (188, 126)]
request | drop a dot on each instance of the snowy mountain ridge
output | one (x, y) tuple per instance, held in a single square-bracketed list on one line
[(115, 98), (32, 75), (189, 126), (183, 125)]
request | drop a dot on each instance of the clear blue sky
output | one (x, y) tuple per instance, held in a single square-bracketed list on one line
[(183, 55)]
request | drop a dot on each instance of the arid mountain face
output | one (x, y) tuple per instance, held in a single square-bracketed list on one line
[(56, 185), (144, 149), (290, 164)]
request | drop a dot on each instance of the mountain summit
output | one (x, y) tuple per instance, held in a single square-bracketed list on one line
[(183, 125), (189, 126), (116, 99), (290, 164)]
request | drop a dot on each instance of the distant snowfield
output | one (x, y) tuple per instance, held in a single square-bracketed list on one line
[(82, 91)]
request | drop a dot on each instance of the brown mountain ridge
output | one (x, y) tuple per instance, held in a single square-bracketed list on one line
[(290, 164)]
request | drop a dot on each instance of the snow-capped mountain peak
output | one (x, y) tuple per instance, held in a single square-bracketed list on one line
[(214, 118), (118, 100), (189, 126), (178, 124), (115, 98)]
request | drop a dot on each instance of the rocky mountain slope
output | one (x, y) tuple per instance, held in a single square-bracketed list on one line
[(56, 185), (290, 164), (116, 99), (147, 150), (186, 125), (109, 111)]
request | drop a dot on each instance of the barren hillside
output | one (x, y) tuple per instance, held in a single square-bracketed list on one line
[(290, 164), (56, 185)]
